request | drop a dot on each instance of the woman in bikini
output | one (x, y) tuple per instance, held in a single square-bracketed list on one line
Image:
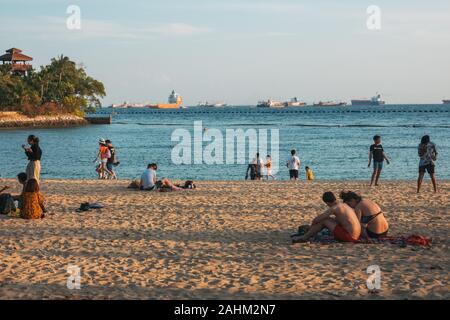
[(373, 222)]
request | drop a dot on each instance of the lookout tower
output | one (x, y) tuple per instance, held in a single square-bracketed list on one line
[(17, 60)]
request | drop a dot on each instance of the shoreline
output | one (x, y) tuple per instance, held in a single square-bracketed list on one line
[(219, 241), (14, 120)]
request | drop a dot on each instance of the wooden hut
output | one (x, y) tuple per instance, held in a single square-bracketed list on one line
[(17, 60)]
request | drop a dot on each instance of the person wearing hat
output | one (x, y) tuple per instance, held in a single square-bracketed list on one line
[(103, 154)]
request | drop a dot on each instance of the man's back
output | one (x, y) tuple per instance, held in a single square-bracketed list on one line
[(346, 217)]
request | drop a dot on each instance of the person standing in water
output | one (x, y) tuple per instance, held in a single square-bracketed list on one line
[(377, 154), (428, 155), (34, 155), (268, 166), (293, 165)]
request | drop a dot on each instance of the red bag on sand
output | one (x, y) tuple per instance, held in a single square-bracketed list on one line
[(418, 241)]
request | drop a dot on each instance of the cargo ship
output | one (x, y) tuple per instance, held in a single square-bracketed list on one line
[(446, 101), (294, 103), (374, 101), (270, 104), (174, 102), (330, 104)]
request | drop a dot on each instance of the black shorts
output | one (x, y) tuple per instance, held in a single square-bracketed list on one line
[(429, 168), (293, 174)]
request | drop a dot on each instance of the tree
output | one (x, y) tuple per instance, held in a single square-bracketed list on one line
[(60, 83)]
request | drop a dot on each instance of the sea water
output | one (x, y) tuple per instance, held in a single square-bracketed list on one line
[(333, 141)]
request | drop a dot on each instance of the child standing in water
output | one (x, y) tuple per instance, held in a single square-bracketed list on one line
[(377, 154), (268, 166), (309, 174)]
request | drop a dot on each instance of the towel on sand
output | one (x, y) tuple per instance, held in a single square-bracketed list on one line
[(403, 241)]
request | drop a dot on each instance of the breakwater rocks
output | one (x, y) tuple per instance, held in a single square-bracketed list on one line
[(10, 120)]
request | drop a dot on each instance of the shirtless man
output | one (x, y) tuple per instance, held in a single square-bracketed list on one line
[(373, 222), (345, 226)]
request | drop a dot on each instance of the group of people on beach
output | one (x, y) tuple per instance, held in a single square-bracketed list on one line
[(427, 152), (107, 158), (29, 204), (352, 219), (258, 169)]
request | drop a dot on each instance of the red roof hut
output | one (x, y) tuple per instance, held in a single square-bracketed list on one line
[(17, 60)]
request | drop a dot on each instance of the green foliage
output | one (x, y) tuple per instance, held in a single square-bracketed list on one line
[(60, 87)]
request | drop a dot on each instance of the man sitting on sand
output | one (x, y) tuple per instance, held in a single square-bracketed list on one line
[(148, 177), (345, 226), (149, 181)]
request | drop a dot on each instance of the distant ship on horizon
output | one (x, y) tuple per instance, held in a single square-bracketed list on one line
[(330, 104), (174, 102), (270, 104), (376, 100), (294, 102), (206, 104), (446, 101)]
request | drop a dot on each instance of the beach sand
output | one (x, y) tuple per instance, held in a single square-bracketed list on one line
[(225, 240)]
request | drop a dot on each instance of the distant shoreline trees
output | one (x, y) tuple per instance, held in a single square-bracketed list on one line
[(58, 88)]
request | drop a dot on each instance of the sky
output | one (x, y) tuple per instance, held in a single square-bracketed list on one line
[(240, 52)]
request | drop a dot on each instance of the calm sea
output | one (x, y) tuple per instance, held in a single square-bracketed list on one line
[(332, 141)]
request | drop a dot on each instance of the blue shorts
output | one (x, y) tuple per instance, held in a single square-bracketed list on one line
[(378, 165), (109, 166)]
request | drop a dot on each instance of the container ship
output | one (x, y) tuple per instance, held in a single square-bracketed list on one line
[(376, 100), (330, 104), (174, 102), (446, 101)]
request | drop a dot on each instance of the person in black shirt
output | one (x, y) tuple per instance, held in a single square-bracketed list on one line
[(377, 154), (34, 154), (111, 160)]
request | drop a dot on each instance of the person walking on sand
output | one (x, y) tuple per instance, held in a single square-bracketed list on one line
[(293, 165), (428, 155), (373, 222), (257, 161), (376, 153), (268, 166), (111, 161), (34, 155), (345, 227), (103, 154)]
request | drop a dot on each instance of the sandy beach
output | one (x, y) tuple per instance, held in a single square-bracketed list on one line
[(225, 240)]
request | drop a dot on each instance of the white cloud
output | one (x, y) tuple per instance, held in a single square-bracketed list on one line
[(55, 28)]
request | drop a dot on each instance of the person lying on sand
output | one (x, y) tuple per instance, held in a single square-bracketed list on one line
[(373, 222), (345, 226)]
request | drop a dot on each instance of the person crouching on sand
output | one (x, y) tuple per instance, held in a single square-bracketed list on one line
[(345, 227), (33, 201), (373, 222)]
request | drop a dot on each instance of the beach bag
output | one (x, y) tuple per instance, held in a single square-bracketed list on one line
[(7, 204), (189, 184)]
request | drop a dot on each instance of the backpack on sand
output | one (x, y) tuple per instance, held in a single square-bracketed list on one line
[(7, 204)]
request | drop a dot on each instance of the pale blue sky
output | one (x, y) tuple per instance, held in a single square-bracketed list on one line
[(243, 51)]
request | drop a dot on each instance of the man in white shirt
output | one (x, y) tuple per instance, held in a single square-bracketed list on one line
[(148, 177), (293, 165)]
